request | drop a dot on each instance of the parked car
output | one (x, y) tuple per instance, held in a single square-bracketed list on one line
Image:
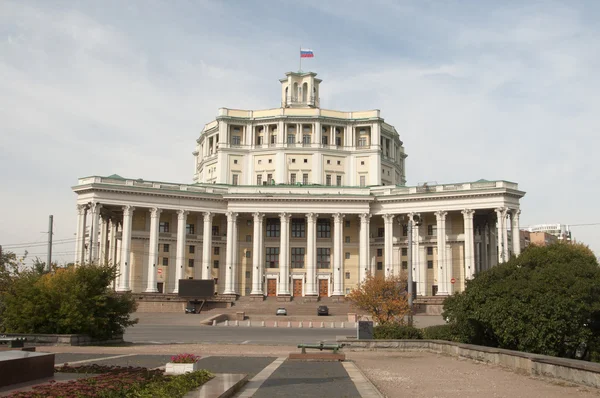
[(281, 311), (322, 310), (190, 308)]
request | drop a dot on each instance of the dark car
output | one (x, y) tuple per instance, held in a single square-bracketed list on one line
[(190, 308), (322, 310)]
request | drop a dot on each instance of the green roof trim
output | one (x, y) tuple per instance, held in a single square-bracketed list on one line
[(116, 177)]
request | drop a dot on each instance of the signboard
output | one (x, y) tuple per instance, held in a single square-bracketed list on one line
[(364, 330), (453, 281), (159, 271), (197, 288)]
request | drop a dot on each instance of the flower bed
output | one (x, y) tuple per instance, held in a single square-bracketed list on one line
[(182, 363), (118, 382)]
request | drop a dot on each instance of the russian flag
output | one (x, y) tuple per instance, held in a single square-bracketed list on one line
[(306, 53)]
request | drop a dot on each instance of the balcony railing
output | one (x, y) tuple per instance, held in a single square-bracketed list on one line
[(309, 101)]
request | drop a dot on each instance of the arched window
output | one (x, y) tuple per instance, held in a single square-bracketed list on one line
[(295, 94), (304, 92)]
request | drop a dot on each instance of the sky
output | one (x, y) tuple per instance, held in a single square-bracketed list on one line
[(476, 89)]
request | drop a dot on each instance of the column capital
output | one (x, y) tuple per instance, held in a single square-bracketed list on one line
[(441, 214), (338, 217), (516, 213), (468, 213), (81, 209), (231, 215), (128, 210), (411, 216), (312, 217), (284, 216), (501, 211), (155, 212), (208, 216), (388, 217), (182, 214), (258, 217), (365, 217), (95, 206)]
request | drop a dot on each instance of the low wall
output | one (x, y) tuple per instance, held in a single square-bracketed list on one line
[(154, 302), (63, 339), (570, 370)]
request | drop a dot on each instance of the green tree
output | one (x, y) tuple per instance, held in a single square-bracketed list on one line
[(546, 301), (71, 300)]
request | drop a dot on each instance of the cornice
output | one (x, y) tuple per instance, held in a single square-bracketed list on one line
[(141, 191)]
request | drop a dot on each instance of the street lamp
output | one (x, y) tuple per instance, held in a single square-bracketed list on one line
[(416, 219)]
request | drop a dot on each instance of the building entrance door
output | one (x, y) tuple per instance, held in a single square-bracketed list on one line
[(297, 287), (271, 287), (323, 287)]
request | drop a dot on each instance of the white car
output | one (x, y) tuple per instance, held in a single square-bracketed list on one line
[(281, 311)]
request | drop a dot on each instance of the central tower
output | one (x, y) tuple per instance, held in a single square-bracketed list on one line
[(300, 90)]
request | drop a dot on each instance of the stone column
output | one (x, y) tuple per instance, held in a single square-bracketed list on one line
[(125, 263), (442, 268), (283, 287), (516, 232), (418, 275), (229, 259), (505, 221), (93, 247), (388, 220), (484, 247), (257, 262), (207, 245), (364, 248), (112, 253), (181, 240), (236, 258), (311, 254), (338, 265), (500, 234), (469, 250), (153, 249), (80, 240), (103, 240)]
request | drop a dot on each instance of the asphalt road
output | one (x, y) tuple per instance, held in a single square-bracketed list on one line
[(175, 334)]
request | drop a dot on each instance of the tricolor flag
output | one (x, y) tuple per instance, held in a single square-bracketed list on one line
[(306, 53)]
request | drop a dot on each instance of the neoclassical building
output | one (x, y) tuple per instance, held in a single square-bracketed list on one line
[(295, 201)]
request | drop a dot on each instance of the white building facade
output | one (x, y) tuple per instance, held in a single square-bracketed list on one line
[(295, 201)]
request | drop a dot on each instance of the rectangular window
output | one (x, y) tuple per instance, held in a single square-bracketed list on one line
[(306, 139), (216, 251), (323, 228), (235, 161), (404, 264), (339, 162), (380, 232), (189, 229), (347, 275), (405, 230), (165, 261), (328, 180), (293, 178), (379, 266), (298, 228), (273, 139), (192, 249), (291, 138), (166, 247), (270, 178), (235, 179), (362, 142), (304, 179), (338, 181), (259, 140), (347, 255), (259, 179), (324, 140), (347, 223), (323, 257), (429, 264), (363, 181), (272, 257), (347, 239), (431, 229), (297, 257), (273, 228), (429, 250), (235, 140), (215, 230), (405, 251), (379, 252), (248, 238), (248, 254), (191, 263), (338, 141), (216, 264), (163, 227)]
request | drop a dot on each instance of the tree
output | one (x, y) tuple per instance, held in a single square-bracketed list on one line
[(71, 300), (546, 301), (384, 298)]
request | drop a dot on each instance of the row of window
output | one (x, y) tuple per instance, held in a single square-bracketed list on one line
[(190, 229), (431, 230), (291, 139), (404, 251), (404, 265)]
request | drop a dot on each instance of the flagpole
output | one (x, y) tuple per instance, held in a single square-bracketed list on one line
[(300, 70)]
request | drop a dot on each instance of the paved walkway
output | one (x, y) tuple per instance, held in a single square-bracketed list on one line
[(396, 374)]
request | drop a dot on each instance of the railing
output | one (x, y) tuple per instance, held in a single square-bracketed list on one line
[(311, 101)]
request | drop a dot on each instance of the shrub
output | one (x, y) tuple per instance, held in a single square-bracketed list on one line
[(396, 331), (384, 298), (72, 300), (546, 301), (439, 332), (184, 358)]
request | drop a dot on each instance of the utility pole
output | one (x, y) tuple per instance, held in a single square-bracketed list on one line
[(47, 268)]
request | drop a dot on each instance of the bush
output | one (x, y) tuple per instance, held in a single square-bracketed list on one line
[(546, 301), (395, 331), (439, 332), (384, 298), (72, 300)]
